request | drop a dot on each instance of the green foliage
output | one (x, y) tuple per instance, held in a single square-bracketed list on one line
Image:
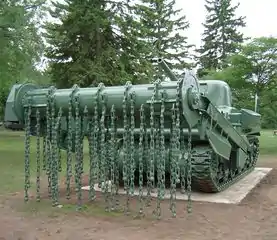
[(221, 36), (20, 41), (88, 46), (253, 71), (159, 26), (112, 42)]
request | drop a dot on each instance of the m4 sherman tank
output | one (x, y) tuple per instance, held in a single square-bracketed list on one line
[(184, 132)]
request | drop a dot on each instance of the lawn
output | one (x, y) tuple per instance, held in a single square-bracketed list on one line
[(12, 158)]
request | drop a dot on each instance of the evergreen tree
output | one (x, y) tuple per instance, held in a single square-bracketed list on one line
[(161, 30), (91, 44), (134, 49), (221, 36), (21, 44)]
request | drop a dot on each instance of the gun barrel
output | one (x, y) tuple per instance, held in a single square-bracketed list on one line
[(167, 70)]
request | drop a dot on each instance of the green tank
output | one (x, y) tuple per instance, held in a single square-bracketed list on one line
[(182, 132), (10, 119)]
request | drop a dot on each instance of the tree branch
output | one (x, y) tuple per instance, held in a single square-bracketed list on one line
[(28, 7)]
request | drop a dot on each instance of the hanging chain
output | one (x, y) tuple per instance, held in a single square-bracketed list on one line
[(59, 154), (146, 158), (151, 166), (178, 131), (132, 145), (103, 161), (28, 112), (161, 158), (69, 148), (141, 155), (78, 163), (48, 142), (113, 159), (183, 170), (92, 195), (84, 120), (163, 149), (58, 125), (38, 154), (173, 165), (95, 170), (53, 155), (54, 162), (189, 207), (96, 138), (103, 157), (44, 153), (125, 146), (126, 139)]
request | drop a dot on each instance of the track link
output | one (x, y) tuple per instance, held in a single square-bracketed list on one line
[(203, 176)]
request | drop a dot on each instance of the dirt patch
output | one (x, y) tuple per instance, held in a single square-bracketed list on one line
[(255, 218)]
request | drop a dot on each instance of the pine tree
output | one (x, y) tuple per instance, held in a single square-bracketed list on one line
[(221, 36), (85, 48), (161, 31), (21, 44), (134, 50)]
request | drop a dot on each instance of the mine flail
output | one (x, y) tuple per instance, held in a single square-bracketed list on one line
[(181, 135)]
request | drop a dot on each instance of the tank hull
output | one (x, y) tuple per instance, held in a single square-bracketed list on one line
[(197, 140)]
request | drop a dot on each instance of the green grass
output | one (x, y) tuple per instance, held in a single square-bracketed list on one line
[(12, 157), (268, 143), (12, 160), (12, 177), (12, 164)]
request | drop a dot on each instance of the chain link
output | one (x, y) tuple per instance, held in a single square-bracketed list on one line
[(78, 163), (141, 155), (151, 165), (69, 148), (103, 162), (161, 158), (44, 153), (173, 164), (114, 177), (84, 120), (96, 136), (126, 140), (132, 145), (48, 142), (189, 206), (38, 155), (59, 154), (28, 112), (103, 156), (92, 195), (178, 131), (163, 148), (54, 158)]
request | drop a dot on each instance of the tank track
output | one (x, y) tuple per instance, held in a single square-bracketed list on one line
[(204, 177)]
